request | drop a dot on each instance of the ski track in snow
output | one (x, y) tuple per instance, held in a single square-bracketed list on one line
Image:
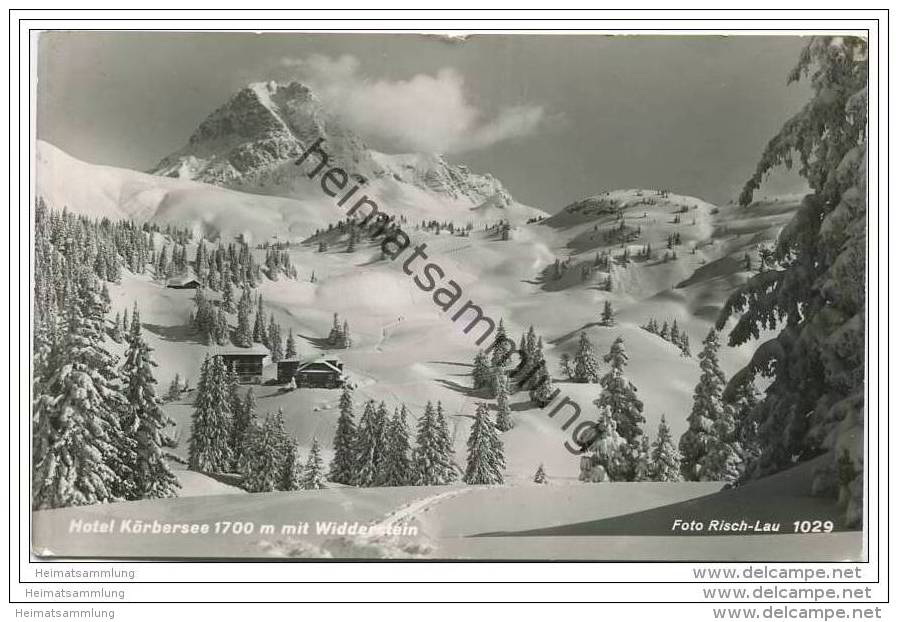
[(404, 514)]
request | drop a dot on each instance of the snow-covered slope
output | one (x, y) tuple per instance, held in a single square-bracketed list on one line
[(106, 191)]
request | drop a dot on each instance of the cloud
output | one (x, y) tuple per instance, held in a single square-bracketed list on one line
[(429, 113)]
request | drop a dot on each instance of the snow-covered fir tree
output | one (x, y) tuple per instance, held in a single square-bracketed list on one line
[(432, 457), (619, 396), (370, 445), (665, 456), (397, 470), (343, 464), (817, 288), (78, 447), (586, 364), (448, 471), (244, 418), (642, 458), (243, 336), (292, 470), (144, 421), (275, 342), (504, 420), (486, 458), (481, 372), (262, 464), (540, 476), (290, 350), (610, 449), (209, 447), (607, 314), (260, 334), (707, 408), (313, 473)]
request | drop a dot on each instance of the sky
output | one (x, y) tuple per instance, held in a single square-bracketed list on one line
[(555, 117)]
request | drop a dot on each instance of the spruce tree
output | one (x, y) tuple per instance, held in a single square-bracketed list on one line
[(397, 469), (343, 464), (481, 372), (144, 421), (619, 396), (243, 421), (610, 449), (607, 314), (259, 332), (209, 448), (540, 476), (707, 408), (243, 336), (370, 446), (77, 440), (432, 459), (642, 457), (504, 420), (313, 473), (292, 471), (486, 459), (448, 472), (816, 287), (290, 351), (586, 365), (262, 462), (665, 456)]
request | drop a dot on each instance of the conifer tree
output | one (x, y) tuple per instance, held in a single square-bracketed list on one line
[(481, 372), (343, 464), (815, 285), (145, 422), (290, 351), (397, 463), (116, 333), (209, 448), (707, 408), (174, 389), (432, 457), (504, 420), (262, 462), (722, 462), (244, 420), (540, 476), (642, 456), (370, 446), (610, 449), (619, 396), (292, 471), (607, 314), (665, 456), (275, 343), (259, 332), (446, 451), (501, 352), (227, 297), (542, 391), (243, 336), (313, 473), (486, 459), (566, 366), (78, 447), (586, 365)]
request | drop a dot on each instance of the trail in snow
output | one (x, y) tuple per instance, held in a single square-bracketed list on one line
[(410, 511)]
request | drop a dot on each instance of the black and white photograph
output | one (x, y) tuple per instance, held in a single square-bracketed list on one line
[(486, 296)]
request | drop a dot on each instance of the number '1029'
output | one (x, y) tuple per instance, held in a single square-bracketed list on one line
[(812, 526)]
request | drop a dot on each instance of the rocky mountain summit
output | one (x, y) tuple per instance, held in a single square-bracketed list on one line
[(251, 141)]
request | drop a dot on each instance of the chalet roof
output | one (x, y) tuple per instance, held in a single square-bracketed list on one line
[(326, 362), (182, 280), (257, 349)]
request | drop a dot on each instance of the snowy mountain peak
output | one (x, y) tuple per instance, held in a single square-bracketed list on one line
[(251, 141)]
